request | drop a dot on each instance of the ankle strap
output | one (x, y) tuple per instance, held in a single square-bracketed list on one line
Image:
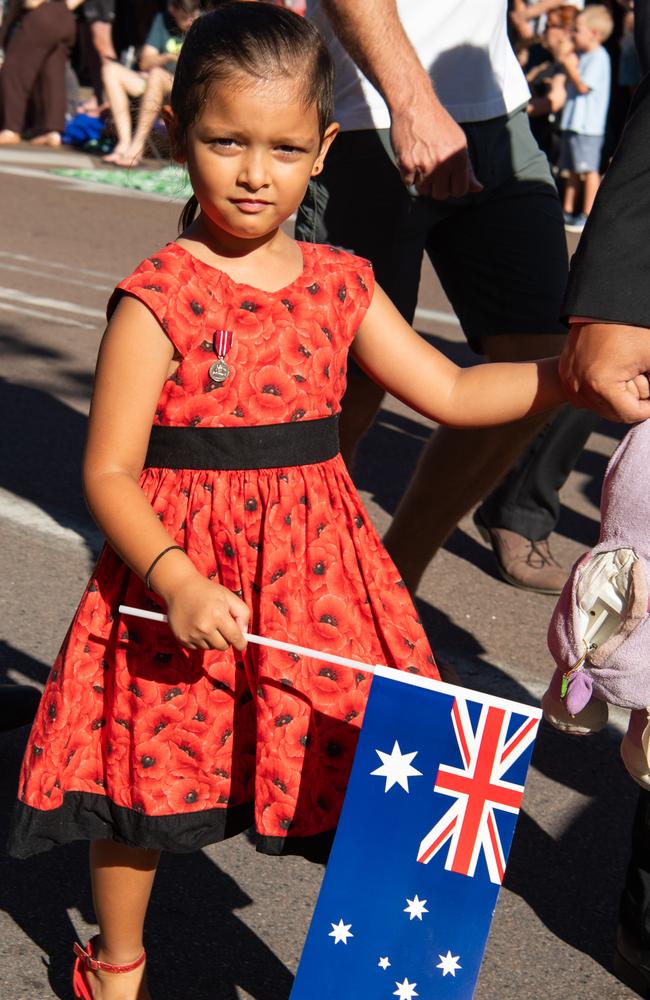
[(92, 963)]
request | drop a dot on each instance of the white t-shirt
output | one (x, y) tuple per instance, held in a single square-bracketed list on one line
[(464, 45)]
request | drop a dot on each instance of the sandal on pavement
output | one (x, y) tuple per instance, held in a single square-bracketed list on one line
[(85, 960)]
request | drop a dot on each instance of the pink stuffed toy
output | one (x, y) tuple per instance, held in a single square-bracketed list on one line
[(599, 634)]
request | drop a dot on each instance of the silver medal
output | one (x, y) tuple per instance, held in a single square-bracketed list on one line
[(219, 370)]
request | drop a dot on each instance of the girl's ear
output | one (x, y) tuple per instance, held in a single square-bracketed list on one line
[(175, 137), (330, 135)]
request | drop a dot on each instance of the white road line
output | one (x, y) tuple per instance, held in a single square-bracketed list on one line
[(48, 317), (21, 298), (25, 514), (436, 316), (34, 273), (52, 263)]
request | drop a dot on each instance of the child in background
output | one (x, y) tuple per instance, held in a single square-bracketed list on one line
[(235, 506), (584, 116)]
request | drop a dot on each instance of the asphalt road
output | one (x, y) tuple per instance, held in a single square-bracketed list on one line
[(225, 922)]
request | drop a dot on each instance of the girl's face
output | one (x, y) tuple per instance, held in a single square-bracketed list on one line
[(251, 153)]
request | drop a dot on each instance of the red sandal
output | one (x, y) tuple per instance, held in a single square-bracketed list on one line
[(86, 960)]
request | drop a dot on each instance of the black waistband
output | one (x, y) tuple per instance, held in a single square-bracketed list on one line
[(270, 446)]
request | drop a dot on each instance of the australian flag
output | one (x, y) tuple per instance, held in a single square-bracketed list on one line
[(420, 853)]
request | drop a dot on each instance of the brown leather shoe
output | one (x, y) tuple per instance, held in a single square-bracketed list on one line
[(521, 562)]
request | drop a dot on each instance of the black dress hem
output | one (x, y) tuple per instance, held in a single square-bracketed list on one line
[(87, 816)]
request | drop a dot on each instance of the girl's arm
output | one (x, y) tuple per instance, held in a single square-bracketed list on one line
[(135, 358), (399, 359)]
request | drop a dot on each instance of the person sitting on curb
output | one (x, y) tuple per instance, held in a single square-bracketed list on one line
[(153, 83)]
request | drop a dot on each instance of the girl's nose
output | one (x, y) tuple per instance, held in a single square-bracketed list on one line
[(254, 172)]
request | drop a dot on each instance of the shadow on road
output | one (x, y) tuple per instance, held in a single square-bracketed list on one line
[(198, 948), (570, 871), (395, 441), (43, 441)]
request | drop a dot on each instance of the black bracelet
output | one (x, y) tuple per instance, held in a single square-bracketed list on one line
[(147, 575)]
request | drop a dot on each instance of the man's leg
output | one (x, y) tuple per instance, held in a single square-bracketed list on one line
[(527, 500), (51, 81), (26, 52), (458, 468), (503, 263)]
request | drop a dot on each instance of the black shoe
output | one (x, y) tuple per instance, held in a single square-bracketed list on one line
[(18, 704), (631, 966)]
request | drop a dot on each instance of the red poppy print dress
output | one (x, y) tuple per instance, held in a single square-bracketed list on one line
[(152, 745)]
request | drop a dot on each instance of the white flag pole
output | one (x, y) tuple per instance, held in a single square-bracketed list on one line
[(287, 647)]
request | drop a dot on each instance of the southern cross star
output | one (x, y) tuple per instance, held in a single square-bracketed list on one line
[(396, 767), (383, 963), (405, 990), (341, 932), (415, 908), (449, 964)]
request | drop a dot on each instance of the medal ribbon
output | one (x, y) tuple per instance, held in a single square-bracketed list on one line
[(222, 342)]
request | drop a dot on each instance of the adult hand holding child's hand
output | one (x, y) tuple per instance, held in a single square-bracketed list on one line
[(604, 365)]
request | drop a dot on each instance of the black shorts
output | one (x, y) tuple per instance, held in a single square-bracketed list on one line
[(610, 271), (99, 10), (501, 255)]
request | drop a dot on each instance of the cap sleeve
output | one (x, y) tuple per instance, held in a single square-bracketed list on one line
[(355, 294), (156, 285)]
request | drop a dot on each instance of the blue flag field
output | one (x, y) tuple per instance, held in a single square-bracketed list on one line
[(420, 853)]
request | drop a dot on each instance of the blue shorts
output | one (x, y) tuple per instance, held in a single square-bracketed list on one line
[(580, 153)]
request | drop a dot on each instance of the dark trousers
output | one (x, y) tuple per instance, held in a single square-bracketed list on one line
[(501, 258), (527, 500), (634, 912), (34, 65)]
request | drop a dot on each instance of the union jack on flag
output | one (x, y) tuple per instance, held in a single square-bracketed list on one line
[(479, 789), (403, 912)]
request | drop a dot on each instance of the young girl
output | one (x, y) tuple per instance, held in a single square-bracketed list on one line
[(235, 507)]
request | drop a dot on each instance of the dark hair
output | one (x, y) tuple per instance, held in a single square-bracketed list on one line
[(257, 39)]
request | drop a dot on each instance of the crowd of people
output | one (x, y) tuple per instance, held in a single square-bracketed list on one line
[(125, 51), (582, 68)]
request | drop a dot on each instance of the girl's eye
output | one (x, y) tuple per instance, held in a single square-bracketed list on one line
[(289, 150), (223, 143)]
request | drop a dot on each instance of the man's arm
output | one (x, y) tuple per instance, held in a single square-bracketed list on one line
[(430, 147), (608, 297)]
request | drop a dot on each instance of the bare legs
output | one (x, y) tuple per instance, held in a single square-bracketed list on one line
[(592, 183), (457, 467), (571, 188), (122, 878), (569, 201), (159, 85), (120, 84)]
